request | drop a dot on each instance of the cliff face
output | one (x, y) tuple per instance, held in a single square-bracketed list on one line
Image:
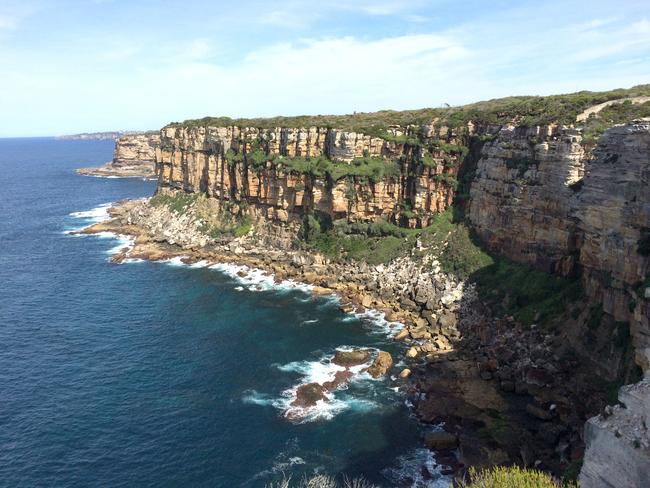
[(521, 197), (541, 199), (136, 151), (194, 160), (134, 155), (613, 211)]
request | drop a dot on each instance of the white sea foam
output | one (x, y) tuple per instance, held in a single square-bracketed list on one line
[(133, 260), (258, 280), (97, 214), (320, 372), (122, 242), (409, 471), (176, 261)]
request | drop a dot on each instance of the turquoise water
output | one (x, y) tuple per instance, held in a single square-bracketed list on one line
[(154, 374)]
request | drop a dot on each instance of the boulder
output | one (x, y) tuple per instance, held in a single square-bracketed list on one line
[(401, 335), (382, 365), (447, 320), (412, 353), (351, 358), (405, 373)]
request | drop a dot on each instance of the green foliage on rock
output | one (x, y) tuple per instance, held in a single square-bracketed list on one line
[(528, 294), (512, 477), (257, 160), (178, 202), (458, 252), (365, 169)]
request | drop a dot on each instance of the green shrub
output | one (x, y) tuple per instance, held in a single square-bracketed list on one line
[(528, 294), (244, 227), (178, 202), (257, 160), (511, 477), (530, 110), (447, 179), (595, 317)]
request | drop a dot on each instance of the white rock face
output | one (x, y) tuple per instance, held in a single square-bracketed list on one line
[(618, 444)]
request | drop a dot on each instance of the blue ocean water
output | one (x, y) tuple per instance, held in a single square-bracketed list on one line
[(150, 374)]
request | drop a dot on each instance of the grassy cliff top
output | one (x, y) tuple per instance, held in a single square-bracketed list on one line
[(524, 110)]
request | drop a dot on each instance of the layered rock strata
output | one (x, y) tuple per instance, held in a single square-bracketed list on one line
[(193, 160), (540, 199), (134, 156)]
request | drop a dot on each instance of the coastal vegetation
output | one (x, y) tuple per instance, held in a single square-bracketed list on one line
[(529, 295), (215, 222), (619, 113), (512, 477), (525, 110), (363, 169)]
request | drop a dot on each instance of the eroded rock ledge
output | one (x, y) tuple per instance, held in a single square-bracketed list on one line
[(134, 156)]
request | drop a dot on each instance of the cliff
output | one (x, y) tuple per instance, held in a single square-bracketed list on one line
[(134, 156), (285, 173), (542, 198)]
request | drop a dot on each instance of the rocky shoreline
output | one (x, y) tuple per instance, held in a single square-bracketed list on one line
[(503, 393)]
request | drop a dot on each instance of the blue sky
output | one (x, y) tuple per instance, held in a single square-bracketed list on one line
[(71, 66)]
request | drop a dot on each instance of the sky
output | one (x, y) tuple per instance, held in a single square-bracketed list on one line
[(93, 65)]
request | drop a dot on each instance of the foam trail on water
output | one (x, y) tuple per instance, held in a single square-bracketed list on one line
[(321, 372), (417, 469), (258, 280), (97, 214)]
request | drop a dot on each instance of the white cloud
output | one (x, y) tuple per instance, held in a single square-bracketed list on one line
[(198, 49), (7, 22), (640, 27), (293, 18)]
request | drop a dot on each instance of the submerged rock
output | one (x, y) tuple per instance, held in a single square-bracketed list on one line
[(308, 395)]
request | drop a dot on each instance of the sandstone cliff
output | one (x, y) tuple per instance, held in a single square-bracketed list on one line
[(540, 198), (134, 155), (195, 159)]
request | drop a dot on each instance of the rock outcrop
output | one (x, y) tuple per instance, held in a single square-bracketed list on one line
[(539, 198), (134, 156), (618, 442)]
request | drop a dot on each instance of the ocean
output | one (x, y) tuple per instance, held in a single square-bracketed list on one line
[(162, 374)]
